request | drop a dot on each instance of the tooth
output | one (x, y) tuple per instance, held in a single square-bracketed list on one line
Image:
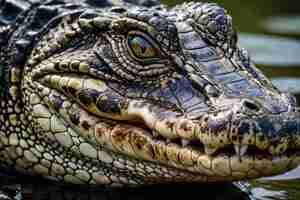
[(209, 149), (243, 149), (184, 142), (240, 150), (237, 149)]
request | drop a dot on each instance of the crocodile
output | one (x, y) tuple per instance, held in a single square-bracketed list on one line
[(131, 93)]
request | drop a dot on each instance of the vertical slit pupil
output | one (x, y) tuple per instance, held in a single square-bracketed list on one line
[(139, 47)]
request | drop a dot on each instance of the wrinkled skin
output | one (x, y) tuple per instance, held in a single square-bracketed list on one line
[(128, 96)]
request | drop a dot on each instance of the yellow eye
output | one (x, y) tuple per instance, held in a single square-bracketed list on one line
[(141, 48)]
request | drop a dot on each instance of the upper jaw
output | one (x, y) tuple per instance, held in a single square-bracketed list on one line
[(239, 143), (273, 134), (213, 130)]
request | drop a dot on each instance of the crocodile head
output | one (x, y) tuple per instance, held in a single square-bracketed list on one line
[(153, 95)]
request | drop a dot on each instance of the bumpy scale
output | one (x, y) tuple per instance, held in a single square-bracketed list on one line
[(118, 94)]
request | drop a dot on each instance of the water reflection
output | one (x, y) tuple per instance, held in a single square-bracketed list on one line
[(264, 194), (290, 175), (25, 188), (30, 188), (276, 189), (271, 50)]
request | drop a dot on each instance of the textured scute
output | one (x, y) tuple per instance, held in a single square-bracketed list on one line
[(111, 93), (10, 9)]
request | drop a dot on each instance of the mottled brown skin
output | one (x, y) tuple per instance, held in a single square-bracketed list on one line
[(128, 95)]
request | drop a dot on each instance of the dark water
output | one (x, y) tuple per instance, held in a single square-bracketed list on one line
[(270, 30), (33, 188)]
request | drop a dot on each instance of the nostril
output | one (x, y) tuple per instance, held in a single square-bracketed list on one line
[(291, 99), (251, 105)]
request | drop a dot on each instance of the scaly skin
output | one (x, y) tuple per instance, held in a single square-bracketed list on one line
[(130, 95)]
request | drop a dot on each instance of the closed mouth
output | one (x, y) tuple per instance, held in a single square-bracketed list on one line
[(183, 150)]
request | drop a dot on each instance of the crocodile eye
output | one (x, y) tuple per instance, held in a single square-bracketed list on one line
[(141, 48)]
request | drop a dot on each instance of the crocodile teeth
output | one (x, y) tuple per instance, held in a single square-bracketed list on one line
[(237, 149), (240, 150), (184, 142), (209, 150), (243, 149)]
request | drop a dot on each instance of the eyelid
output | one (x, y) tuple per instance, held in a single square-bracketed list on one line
[(142, 34)]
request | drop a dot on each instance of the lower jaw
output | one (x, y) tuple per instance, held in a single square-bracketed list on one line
[(139, 144)]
